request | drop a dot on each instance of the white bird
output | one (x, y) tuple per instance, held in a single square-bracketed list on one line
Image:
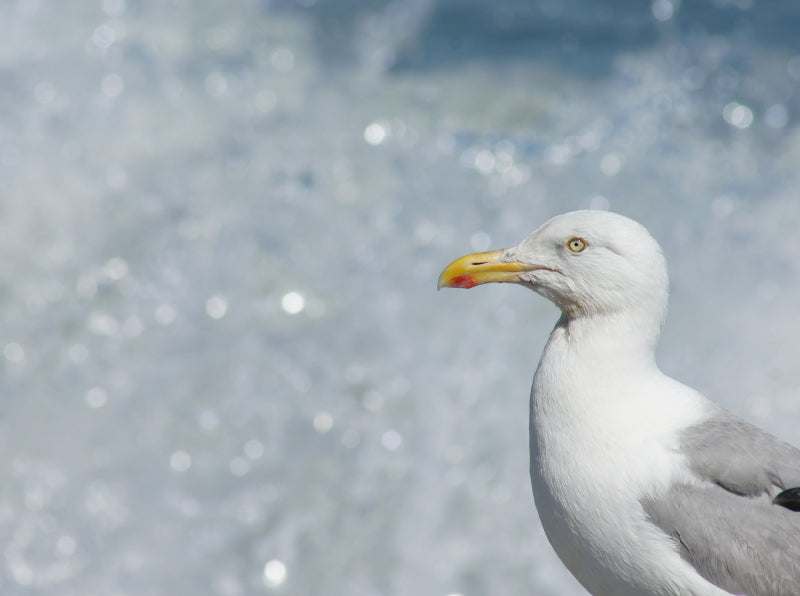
[(643, 486)]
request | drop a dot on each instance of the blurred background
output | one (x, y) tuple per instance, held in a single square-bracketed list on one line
[(224, 365)]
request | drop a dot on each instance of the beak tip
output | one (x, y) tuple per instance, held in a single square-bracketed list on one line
[(459, 281), (480, 268)]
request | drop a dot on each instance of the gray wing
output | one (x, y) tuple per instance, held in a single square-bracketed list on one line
[(740, 457), (728, 527), (743, 545)]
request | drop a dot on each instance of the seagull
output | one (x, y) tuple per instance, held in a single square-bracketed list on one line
[(643, 486)]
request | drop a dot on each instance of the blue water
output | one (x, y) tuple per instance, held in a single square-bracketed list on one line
[(225, 368)]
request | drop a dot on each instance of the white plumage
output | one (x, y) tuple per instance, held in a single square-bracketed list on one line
[(623, 458)]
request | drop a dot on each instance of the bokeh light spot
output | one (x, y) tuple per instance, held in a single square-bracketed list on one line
[(611, 164), (480, 241), (274, 573), (293, 303), (239, 466), (282, 60), (265, 100), (662, 10), (180, 461), (217, 306), (216, 84), (96, 397), (66, 545), (14, 352), (599, 202), (165, 314), (323, 422), (376, 132), (391, 440), (485, 162), (78, 353), (116, 269), (372, 400), (103, 36), (737, 115), (254, 449)]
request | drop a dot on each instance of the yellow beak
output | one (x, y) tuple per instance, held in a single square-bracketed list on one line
[(481, 268)]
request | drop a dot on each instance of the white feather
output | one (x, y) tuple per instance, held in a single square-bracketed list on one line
[(604, 419)]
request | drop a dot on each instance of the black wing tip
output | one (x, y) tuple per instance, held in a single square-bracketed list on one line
[(790, 498)]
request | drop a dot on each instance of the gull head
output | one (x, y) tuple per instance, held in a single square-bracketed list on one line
[(588, 263)]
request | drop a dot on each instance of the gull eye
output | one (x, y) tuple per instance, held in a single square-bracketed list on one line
[(576, 244)]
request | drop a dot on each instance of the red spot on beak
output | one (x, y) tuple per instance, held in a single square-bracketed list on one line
[(463, 281)]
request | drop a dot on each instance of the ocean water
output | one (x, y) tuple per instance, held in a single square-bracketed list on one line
[(224, 365)]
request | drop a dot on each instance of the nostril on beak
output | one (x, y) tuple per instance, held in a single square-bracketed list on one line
[(480, 262)]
